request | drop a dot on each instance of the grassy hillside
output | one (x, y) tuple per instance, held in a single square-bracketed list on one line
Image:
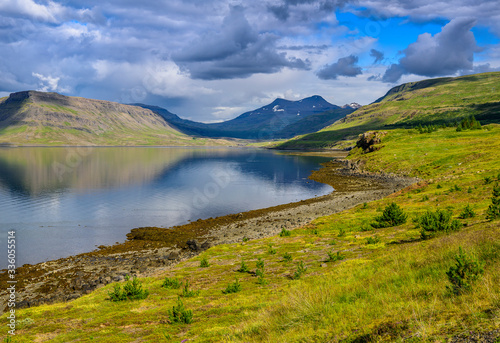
[(384, 284), (440, 101), (36, 118)]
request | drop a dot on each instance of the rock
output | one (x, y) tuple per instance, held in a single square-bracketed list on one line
[(206, 245), (173, 256), (368, 140), (323, 265), (193, 245)]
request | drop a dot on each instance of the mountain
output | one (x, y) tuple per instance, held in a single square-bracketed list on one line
[(280, 119), (32, 117), (441, 101)]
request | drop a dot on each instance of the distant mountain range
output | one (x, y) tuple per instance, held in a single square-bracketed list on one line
[(33, 117), (280, 119)]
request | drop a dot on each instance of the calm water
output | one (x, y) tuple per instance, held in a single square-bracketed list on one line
[(64, 201)]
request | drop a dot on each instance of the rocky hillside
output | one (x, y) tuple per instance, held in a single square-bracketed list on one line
[(441, 101), (33, 117)]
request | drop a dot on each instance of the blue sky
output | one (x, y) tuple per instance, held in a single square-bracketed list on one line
[(212, 60)]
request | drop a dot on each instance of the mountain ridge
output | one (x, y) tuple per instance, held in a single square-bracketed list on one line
[(281, 118), (33, 117)]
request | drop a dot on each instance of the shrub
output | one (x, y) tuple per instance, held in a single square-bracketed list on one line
[(234, 287), (287, 257), (432, 223), (467, 212), (493, 211), (187, 293), (271, 250), (204, 263), (373, 240), (285, 233), (469, 124), (245, 239), (178, 314), (132, 290), (171, 283), (487, 180), (260, 264), (392, 215), (341, 232), (334, 257), (301, 269), (259, 272), (243, 268), (464, 273), (365, 206)]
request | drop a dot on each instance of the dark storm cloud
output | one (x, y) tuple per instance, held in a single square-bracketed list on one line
[(377, 55), (235, 51), (296, 9), (445, 53), (345, 66)]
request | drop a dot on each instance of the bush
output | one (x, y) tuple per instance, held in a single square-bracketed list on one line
[(187, 293), (171, 283), (204, 263), (271, 250), (285, 233), (287, 257), (178, 314), (469, 124), (243, 268), (373, 240), (341, 232), (392, 215), (432, 223), (132, 290), (259, 272), (334, 257), (493, 211), (301, 269), (234, 287), (467, 212), (464, 274)]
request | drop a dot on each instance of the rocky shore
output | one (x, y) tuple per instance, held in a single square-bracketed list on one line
[(152, 251)]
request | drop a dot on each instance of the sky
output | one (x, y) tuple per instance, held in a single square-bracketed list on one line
[(211, 60)]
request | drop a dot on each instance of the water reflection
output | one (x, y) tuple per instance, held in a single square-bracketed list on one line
[(64, 201)]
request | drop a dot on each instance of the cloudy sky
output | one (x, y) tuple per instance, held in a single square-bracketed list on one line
[(211, 60)]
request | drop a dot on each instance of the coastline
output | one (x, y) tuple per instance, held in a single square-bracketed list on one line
[(152, 251)]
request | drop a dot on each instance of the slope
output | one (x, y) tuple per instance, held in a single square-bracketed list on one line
[(35, 118), (441, 101)]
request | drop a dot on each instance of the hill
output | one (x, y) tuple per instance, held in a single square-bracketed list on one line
[(279, 119), (442, 101), (34, 118)]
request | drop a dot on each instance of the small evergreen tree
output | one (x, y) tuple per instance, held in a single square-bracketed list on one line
[(178, 314), (493, 211), (393, 215), (464, 274)]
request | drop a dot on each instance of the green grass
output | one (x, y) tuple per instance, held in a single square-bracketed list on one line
[(393, 288)]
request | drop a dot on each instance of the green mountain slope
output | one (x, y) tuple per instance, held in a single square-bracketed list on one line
[(32, 117), (435, 101)]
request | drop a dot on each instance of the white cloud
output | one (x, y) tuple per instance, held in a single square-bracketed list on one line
[(48, 83)]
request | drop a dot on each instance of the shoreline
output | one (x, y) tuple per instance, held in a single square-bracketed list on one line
[(151, 251)]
